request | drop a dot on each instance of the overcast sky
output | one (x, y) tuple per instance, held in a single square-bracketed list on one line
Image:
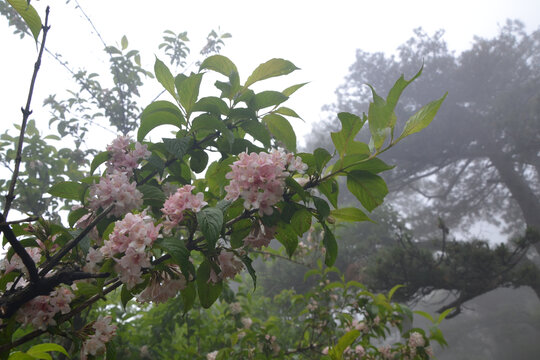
[(320, 37)]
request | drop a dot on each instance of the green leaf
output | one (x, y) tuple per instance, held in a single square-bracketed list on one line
[(110, 351), (393, 291), (75, 215), (330, 189), (189, 294), (124, 42), (247, 261), (344, 342), (179, 253), (18, 355), (208, 291), (424, 314), (344, 139), (198, 161), (47, 347), (220, 64), (266, 98), (99, 159), (322, 207), (125, 296), (152, 195), (165, 77), (282, 130), (368, 188), (240, 230), (330, 244), (422, 118), (374, 165), (159, 113), (296, 188), (288, 112), (211, 104), (286, 235), (292, 89), (257, 130), (177, 147), (68, 190), (211, 122), (210, 222), (322, 157), (188, 90), (301, 221), (350, 214), (271, 68), (29, 15), (444, 314)]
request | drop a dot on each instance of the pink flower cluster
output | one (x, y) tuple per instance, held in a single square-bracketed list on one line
[(163, 287), (115, 189), (131, 236), (122, 158), (40, 311), (229, 266), (103, 332), (180, 201), (259, 179)]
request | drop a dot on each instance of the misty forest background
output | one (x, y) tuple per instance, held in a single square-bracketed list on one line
[(477, 164)]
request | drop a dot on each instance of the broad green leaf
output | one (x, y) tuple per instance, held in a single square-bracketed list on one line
[(330, 244), (152, 195), (124, 42), (266, 98), (159, 113), (189, 294), (198, 161), (76, 214), (240, 230), (282, 130), (208, 291), (444, 314), (165, 77), (179, 253), (211, 122), (301, 221), (322, 157), (98, 160), (350, 214), (422, 118), (330, 189), (374, 165), (215, 174), (177, 147), (220, 64), (322, 207), (18, 355), (395, 92), (297, 188), (29, 15), (344, 139), (271, 68), (210, 223), (125, 296), (211, 104), (257, 130), (368, 188), (68, 190), (188, 90), (292, 89), (425, 314), (344, 342), (47, 347), (287, 112), (286, 235)]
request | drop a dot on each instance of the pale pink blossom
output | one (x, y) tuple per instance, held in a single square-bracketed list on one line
[(122, 158), (115, 189), (40, 311), (177, 203), (259, 179), (103, 332), (247, 322), (416, 339), (229, 265), (162, 287), (212, 355)]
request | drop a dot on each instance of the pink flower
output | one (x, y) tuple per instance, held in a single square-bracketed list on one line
[(182, 200), (122, 158), (259, 179), (416, 339), (163, 287), (259, 236), (103, 332), (115, 189)]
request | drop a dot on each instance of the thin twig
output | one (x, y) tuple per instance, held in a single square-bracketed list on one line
[(70, 245), (28, 219), (26, 114)]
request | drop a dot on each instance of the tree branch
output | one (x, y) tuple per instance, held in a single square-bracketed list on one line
[(26, 114)]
